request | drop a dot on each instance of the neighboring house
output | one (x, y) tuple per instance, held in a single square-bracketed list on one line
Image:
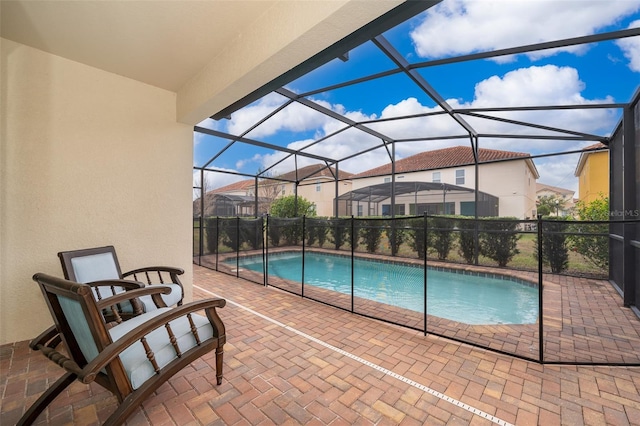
[(592, 172), (316, 183), (511, 183), (235, 199), (563, 194)]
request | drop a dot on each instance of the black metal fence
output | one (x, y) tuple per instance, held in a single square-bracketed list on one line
[(534, 289)]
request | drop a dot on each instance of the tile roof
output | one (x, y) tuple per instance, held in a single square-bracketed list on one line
[(544, 186), (594, 146), (307, 172), (441, 159), (315, 171), (236, 186)]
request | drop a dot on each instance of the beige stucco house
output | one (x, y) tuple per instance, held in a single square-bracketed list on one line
[(563, 194), (316, 183), (98, 103), (511, 180)]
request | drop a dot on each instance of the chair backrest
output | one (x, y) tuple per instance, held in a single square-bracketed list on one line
[(76, 316), (93, 264), (81, 326)]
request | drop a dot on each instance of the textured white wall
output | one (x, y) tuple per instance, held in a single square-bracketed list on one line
[(88, 158)]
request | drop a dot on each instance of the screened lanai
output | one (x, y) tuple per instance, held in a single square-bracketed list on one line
[(437, 75), (415, 198)]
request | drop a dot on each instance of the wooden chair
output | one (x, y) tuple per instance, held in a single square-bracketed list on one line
[(101, 263), (131, 359)]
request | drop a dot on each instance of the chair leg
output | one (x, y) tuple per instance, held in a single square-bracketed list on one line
[(45, 399), (219, 354)]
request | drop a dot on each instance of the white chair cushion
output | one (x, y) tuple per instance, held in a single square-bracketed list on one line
[(95, 267), (170, 299), (134, 359)]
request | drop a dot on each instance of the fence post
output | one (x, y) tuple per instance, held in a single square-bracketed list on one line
[(266, 241), (201, 245), (237, 246), (424, 236), (217, 239), (304, 229), (540, 304), (352, 264)]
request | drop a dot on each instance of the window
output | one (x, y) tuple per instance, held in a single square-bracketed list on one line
[(318, 185), (432, 208), (435, 177), (460, 177), (360, 212), (387, 180), (386, 209), (282, 189)]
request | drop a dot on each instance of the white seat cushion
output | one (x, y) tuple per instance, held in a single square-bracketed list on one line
[(134, 359), (170, 299)]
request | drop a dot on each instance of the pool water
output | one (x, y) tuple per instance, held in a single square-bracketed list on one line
[(468, 299)]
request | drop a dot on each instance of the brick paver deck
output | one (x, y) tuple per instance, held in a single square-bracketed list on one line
[(290, 360)]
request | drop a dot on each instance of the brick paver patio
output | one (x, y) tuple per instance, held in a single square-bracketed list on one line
[(290, 360)]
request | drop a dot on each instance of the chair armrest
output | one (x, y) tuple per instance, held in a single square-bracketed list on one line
[(131, 294), (170, 270), (112, 351), (154, 275), (126, 284)]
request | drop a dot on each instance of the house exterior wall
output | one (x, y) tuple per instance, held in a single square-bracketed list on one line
[(566, 197), (321, 195), (89, 158), (593, 179), (513, 182)]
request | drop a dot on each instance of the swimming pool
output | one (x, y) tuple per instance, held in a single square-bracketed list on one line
[(470, 299)]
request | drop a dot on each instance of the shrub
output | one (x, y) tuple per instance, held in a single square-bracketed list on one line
[(288, 207), (229, 233), (317, 229), (555, 248), (466, 240), (441, 236), (251, 233), (396, 234), (417, 239), (370, 233), (340, 231), (273, 231), (211, 232), (594, 248), (499, 239)]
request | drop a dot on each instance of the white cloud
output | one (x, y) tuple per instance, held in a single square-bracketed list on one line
[(295, 117), (547, 85), (559, 171), (631, 48), (456, 27)]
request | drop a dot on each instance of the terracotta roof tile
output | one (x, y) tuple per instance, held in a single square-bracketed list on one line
[(236, 186), (314, 171), (440, 159), (594, 146)]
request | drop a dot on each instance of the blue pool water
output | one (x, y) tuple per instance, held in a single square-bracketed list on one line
[(458, 297)]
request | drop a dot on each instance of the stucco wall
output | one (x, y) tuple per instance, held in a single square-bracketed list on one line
[(594, 177), (511, 181), (88, 158)]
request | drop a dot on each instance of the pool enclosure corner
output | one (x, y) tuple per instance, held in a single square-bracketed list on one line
[(430, 224)]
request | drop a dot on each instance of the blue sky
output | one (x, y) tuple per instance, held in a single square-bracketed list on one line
[(597, 73)]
